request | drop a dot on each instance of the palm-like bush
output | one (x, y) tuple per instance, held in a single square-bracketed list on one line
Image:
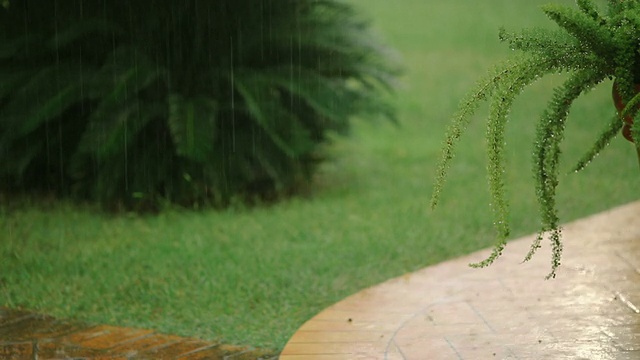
[(590, 47), (188, 101)]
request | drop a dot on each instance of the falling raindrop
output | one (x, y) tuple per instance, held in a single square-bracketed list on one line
[(233, 102), (291, 71)]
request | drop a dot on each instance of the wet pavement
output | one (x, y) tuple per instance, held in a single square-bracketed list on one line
[(591, 311), (30, 336)]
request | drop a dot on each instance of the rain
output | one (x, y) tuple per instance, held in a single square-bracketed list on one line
[(226, 170)]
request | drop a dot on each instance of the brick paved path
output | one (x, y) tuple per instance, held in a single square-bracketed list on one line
[(29, 336), (590, 311)]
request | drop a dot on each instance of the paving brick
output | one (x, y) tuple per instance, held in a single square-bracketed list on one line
[(11, 351), (345, 325), (427, 348), (333, 357), (340, 336), (176, 349), (250, 355), (106, 337), (150, 342), (10, 316), (498, 352), (355, 348), (55, 350)]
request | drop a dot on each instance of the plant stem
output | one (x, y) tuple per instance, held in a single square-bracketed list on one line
[(638, 151)]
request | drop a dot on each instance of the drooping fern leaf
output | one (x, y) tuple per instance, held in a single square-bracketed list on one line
[(513, 74), (502, 100), (461, 121), (591, 48), (550, 134), (612, 129), (589, 9), (583, 27)]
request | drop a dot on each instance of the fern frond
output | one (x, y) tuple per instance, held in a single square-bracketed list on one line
[(589, 9), (625, 57), (502, 101), (618, 6), (502, 74), (541, 41), (591, 48), (550, 134), (635, 131), (612, 129), (583, 27), (461, 121)]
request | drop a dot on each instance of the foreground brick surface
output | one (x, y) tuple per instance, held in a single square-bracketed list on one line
[(29, 336), (507, 311)]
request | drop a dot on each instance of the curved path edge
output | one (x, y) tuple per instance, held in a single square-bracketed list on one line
[(506, 311)]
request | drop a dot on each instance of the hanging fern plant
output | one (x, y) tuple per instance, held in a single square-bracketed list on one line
[(183, 101), (590, 47)]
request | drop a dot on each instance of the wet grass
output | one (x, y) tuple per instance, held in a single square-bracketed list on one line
[(253, 276)]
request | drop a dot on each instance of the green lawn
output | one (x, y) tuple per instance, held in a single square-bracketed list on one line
[(253, 276)]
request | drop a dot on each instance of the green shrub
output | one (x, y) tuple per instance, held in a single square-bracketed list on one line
[(190, 102)]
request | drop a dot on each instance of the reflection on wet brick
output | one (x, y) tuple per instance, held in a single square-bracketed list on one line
[(25, 335), (108, 337), (10, 351), (176, 349), (37, 327)]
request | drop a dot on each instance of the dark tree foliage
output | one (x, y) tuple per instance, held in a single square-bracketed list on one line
[(190, 102)]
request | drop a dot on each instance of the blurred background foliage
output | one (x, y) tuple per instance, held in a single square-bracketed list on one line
[(137, 103)]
